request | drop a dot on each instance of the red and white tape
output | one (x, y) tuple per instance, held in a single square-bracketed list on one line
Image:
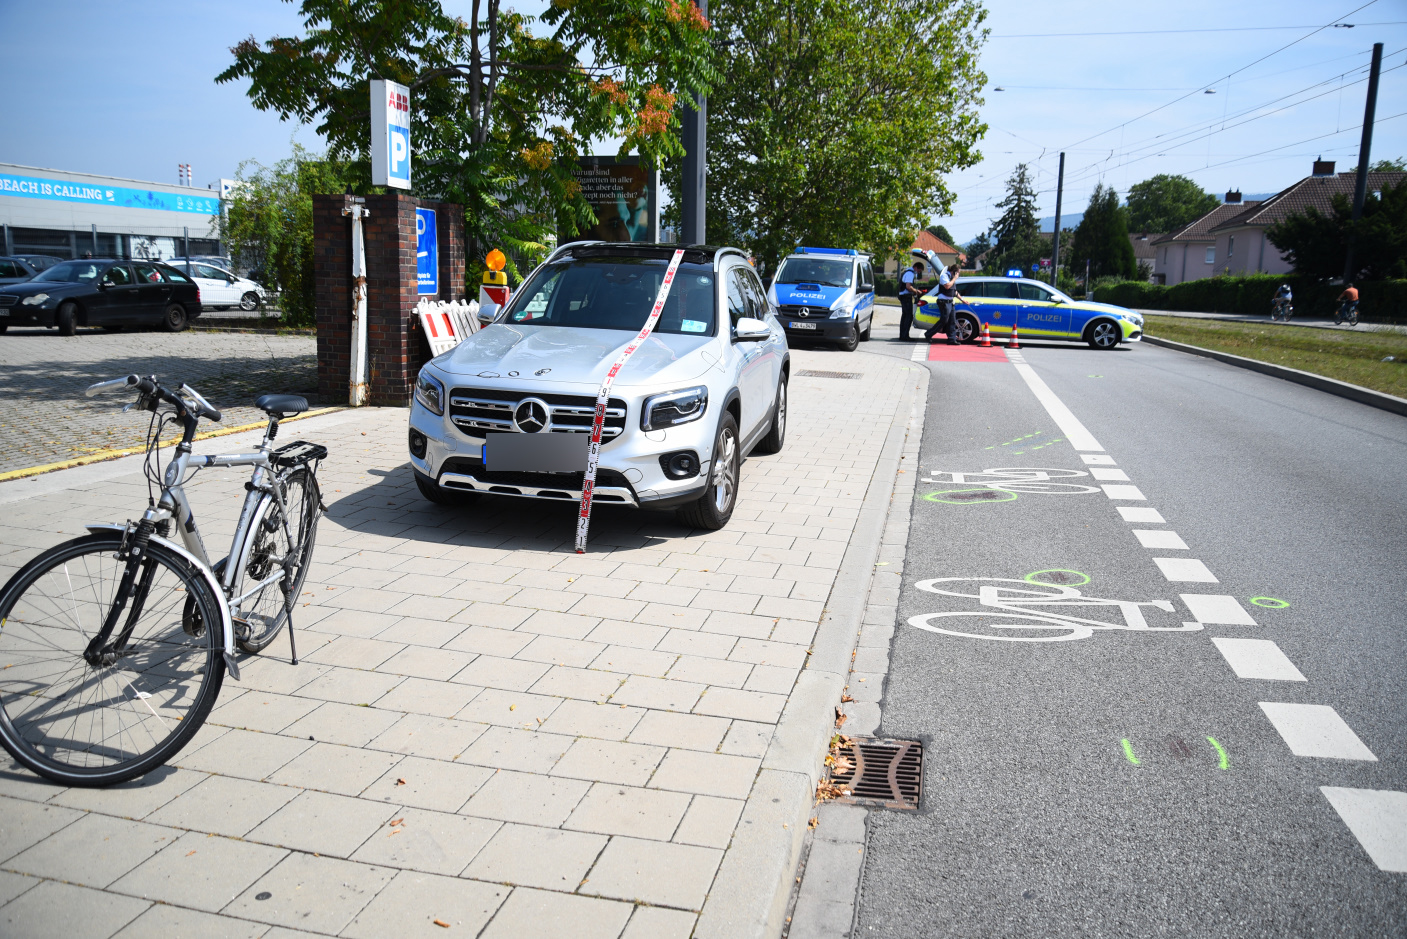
[(598, 422)]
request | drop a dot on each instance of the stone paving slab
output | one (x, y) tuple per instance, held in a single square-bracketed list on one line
[(44, 417), (487, 729)]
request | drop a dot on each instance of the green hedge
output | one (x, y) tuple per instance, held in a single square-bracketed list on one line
[(1383, 301)]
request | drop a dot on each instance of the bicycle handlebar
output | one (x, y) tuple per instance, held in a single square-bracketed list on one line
[(105, 386), (205, 408), (192, 401)]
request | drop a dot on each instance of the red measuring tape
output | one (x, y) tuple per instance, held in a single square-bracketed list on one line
[(598, 422)]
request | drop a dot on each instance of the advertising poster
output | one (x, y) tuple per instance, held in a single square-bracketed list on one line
[(427, 253), (625, 197)]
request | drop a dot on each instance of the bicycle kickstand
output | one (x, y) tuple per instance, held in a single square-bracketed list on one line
[(288, 611)]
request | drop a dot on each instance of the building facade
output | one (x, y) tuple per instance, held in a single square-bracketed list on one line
[(1190, 253), (67, 215)]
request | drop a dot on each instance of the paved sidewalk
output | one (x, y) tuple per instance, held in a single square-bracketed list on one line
[(44, 417), (488, 730)]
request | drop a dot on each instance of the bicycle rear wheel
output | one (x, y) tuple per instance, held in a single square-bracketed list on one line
[(88, 724), (263, 614)]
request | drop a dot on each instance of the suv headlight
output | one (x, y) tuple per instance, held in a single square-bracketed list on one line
[(429, 392), (674, 408)]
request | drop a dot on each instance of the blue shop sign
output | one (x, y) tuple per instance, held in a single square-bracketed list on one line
[(32, 187), (427, 253)]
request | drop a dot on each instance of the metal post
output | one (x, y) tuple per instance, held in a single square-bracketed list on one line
[(1088, 295), (9, 242), (694, 184), (186, 248), (1055, 252), (1360, 190), (356, 388), (95, 239)]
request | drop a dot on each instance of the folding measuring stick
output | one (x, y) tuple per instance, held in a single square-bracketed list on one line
[(598, 422)]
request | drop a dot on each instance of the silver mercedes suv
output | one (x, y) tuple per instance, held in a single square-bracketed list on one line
[(706, 388)]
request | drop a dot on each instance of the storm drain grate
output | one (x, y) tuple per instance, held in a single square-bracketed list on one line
[(879, 772), (813, 373)]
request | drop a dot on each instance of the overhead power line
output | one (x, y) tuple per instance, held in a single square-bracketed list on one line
[(1225, 29)]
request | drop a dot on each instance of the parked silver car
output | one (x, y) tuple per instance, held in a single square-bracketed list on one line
[(708, 386)]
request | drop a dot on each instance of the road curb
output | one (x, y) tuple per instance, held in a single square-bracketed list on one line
[(749, 896), (1333, 386), (129, 451)]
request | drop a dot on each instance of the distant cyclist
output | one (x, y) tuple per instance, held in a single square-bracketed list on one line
[(1348, 306), (1280, 308)]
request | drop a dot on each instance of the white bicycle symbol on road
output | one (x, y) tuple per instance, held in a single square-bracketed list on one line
[(987, 485), (1019, 605)]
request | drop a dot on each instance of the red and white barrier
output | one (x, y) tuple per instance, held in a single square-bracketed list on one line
[(447, 323)]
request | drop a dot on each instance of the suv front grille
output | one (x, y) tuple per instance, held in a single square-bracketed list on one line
[(475, 411), (804, 311)]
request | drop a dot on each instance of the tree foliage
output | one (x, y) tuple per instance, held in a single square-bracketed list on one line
[(942, 234), (499, 114), (1017, 232), (835, 121), (1102, 237), (1166, 203), (268, 225), (1316, 243)]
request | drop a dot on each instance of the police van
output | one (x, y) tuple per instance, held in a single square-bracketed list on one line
[(826, 294)]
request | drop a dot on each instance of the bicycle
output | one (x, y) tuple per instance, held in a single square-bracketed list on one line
[(1282, 310), (114, 646), (1347, 310)]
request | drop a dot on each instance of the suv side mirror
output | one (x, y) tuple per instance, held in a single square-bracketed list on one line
[(751, 330), (865, 288)]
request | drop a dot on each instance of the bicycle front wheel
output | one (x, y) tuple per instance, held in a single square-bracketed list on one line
[(263, 614), (87, 723)]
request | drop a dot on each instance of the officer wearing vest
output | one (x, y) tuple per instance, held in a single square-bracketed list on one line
[(947, 297), (908, 292)]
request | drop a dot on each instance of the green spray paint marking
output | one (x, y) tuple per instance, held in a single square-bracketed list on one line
[(968, 496), (1015, 440), (1225, 762), (1270, 603), (1129, 754), (1058, 576)]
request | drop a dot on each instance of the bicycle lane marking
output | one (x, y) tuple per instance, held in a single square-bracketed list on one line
[(1307, 730)]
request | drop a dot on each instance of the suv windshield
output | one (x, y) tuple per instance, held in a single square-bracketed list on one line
[(827, 273), (616, 293), (73, 272)]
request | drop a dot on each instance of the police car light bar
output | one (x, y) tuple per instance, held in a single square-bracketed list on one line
[(849, 251), (1014, 272)]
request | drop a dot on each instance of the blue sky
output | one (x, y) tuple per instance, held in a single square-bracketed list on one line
[(128, 89)]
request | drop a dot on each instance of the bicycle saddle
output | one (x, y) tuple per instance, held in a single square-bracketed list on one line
[(281, 404)]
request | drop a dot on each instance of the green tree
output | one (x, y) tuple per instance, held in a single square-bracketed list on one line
[(1017, 232), (1102, 237), (941, 233), (499, 114), (835, 121), (1398, 165), (975, 247), (1315, 243), (1166, 203), (268, 224)]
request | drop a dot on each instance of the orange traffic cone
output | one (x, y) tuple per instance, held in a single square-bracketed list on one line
[(986, 342), (1013, 342)]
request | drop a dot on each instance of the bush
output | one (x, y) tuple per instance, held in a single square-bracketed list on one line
[(1383, 301)]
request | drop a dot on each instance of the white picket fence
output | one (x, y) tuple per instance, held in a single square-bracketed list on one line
[(447, 322)]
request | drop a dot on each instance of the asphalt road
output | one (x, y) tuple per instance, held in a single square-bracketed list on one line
[(1036, 820)]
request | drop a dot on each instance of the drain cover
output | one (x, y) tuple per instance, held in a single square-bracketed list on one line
[(883, 773), (812, 373)]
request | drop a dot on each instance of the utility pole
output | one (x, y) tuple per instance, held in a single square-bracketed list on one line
[(1055, 252), (694, 185), (1360, 191)]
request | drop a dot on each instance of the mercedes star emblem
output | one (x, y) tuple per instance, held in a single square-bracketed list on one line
[(530, 416)]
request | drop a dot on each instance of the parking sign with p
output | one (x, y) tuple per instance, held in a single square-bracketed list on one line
[(390, 134)]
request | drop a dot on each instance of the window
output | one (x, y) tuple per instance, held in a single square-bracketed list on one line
[(758, 307), (117, 276), (738, 300), (1003, 291), (71, 272), (206, 271), (175, 276), (1211, 255), (147, 273), (1230, 247), (11, 269), (826, 272), (866, 274), (615, 293), (1035, 292)]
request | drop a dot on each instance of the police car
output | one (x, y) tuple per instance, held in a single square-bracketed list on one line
[(825, 293), (1038, 310)]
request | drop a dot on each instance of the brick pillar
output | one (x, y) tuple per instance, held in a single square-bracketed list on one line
[(395, 346)]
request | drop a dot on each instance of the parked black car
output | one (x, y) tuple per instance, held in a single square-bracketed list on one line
[(105, 292), (15, 270), (40, 262)]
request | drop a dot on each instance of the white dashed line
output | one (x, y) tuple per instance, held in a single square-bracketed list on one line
[(920, 353), (1122, 492), (1159, 538), (1069, 424), (1097, 459), (1110, 475), (1378, 819), (1316, 730), (1185, 570), (1217, 609), (1257, 658), (1134, 513)]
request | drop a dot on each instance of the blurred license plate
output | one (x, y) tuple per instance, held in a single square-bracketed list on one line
[(535, 453), (803, 325), (4, 311)]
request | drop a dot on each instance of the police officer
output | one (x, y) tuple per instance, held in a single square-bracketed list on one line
[(908, 290), (947, 296)]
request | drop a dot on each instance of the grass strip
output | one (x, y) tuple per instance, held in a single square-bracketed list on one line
[(1355, 357)]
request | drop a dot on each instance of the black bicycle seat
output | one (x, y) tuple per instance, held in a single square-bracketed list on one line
[(281, 404)]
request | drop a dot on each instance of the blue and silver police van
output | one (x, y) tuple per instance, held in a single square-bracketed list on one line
[(826, 294)]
